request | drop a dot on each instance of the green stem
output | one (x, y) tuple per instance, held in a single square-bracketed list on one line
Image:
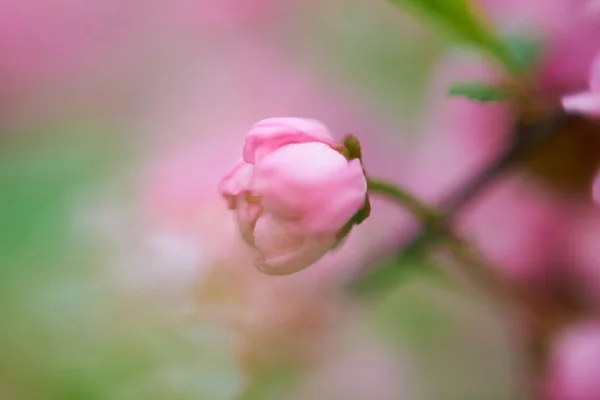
[(473, 265), (510, 294), (426, 213)]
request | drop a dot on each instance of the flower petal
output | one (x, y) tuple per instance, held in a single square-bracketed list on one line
[(270, 134), (587, 103), (312, 184), (595, 75), (236, 182), (596, 188), (348, 196), (283, 251), (247, 213)]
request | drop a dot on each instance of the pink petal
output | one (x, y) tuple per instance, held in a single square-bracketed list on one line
[(312, 184), (575, 364), (247, 214), (586, 103), (284, 251), (347, 197), (514, 225), (596, 189), (236, 182), (270, 134), (595, 75)]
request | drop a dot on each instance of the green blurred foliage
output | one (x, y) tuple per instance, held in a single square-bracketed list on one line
[(371, 54), (478, 91), (67, 332), (526, 50), (392, 272), (273, 384), (457, 18), (457, 344)]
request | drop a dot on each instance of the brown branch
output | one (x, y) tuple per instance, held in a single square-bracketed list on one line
[(526, 138)]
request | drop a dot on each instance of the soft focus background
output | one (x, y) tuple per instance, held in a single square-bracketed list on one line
[(121, 276)]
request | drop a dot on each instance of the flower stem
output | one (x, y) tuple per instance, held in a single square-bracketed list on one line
[(424, 212), (471, 260)]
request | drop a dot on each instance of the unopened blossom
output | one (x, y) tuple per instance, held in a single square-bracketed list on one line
[(293, 192), (587, 102), (296, 318)]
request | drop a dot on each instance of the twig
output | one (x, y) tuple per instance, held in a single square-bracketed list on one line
[(526, 138), (424, 212)]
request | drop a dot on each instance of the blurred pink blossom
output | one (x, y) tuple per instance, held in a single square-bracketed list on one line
[(566, 67), (596, 188), (567, 30), (583, 250), (56, 50), (575, 364), (515, 226), (358, 366), (593, 7), (60, 55), (227, 15), (587, 102)]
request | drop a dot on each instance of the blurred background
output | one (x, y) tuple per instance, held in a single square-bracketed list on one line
[(121, 273)]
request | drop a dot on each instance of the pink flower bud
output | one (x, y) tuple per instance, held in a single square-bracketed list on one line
[(269, 134), (587, 102), (293, 193)]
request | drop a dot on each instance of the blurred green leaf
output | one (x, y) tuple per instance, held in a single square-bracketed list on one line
[(392, 272), (457, 18), (479, 91), (72, 333), (272, 384), (526, 50), (373, 55), (458, 347), (40, 179)]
